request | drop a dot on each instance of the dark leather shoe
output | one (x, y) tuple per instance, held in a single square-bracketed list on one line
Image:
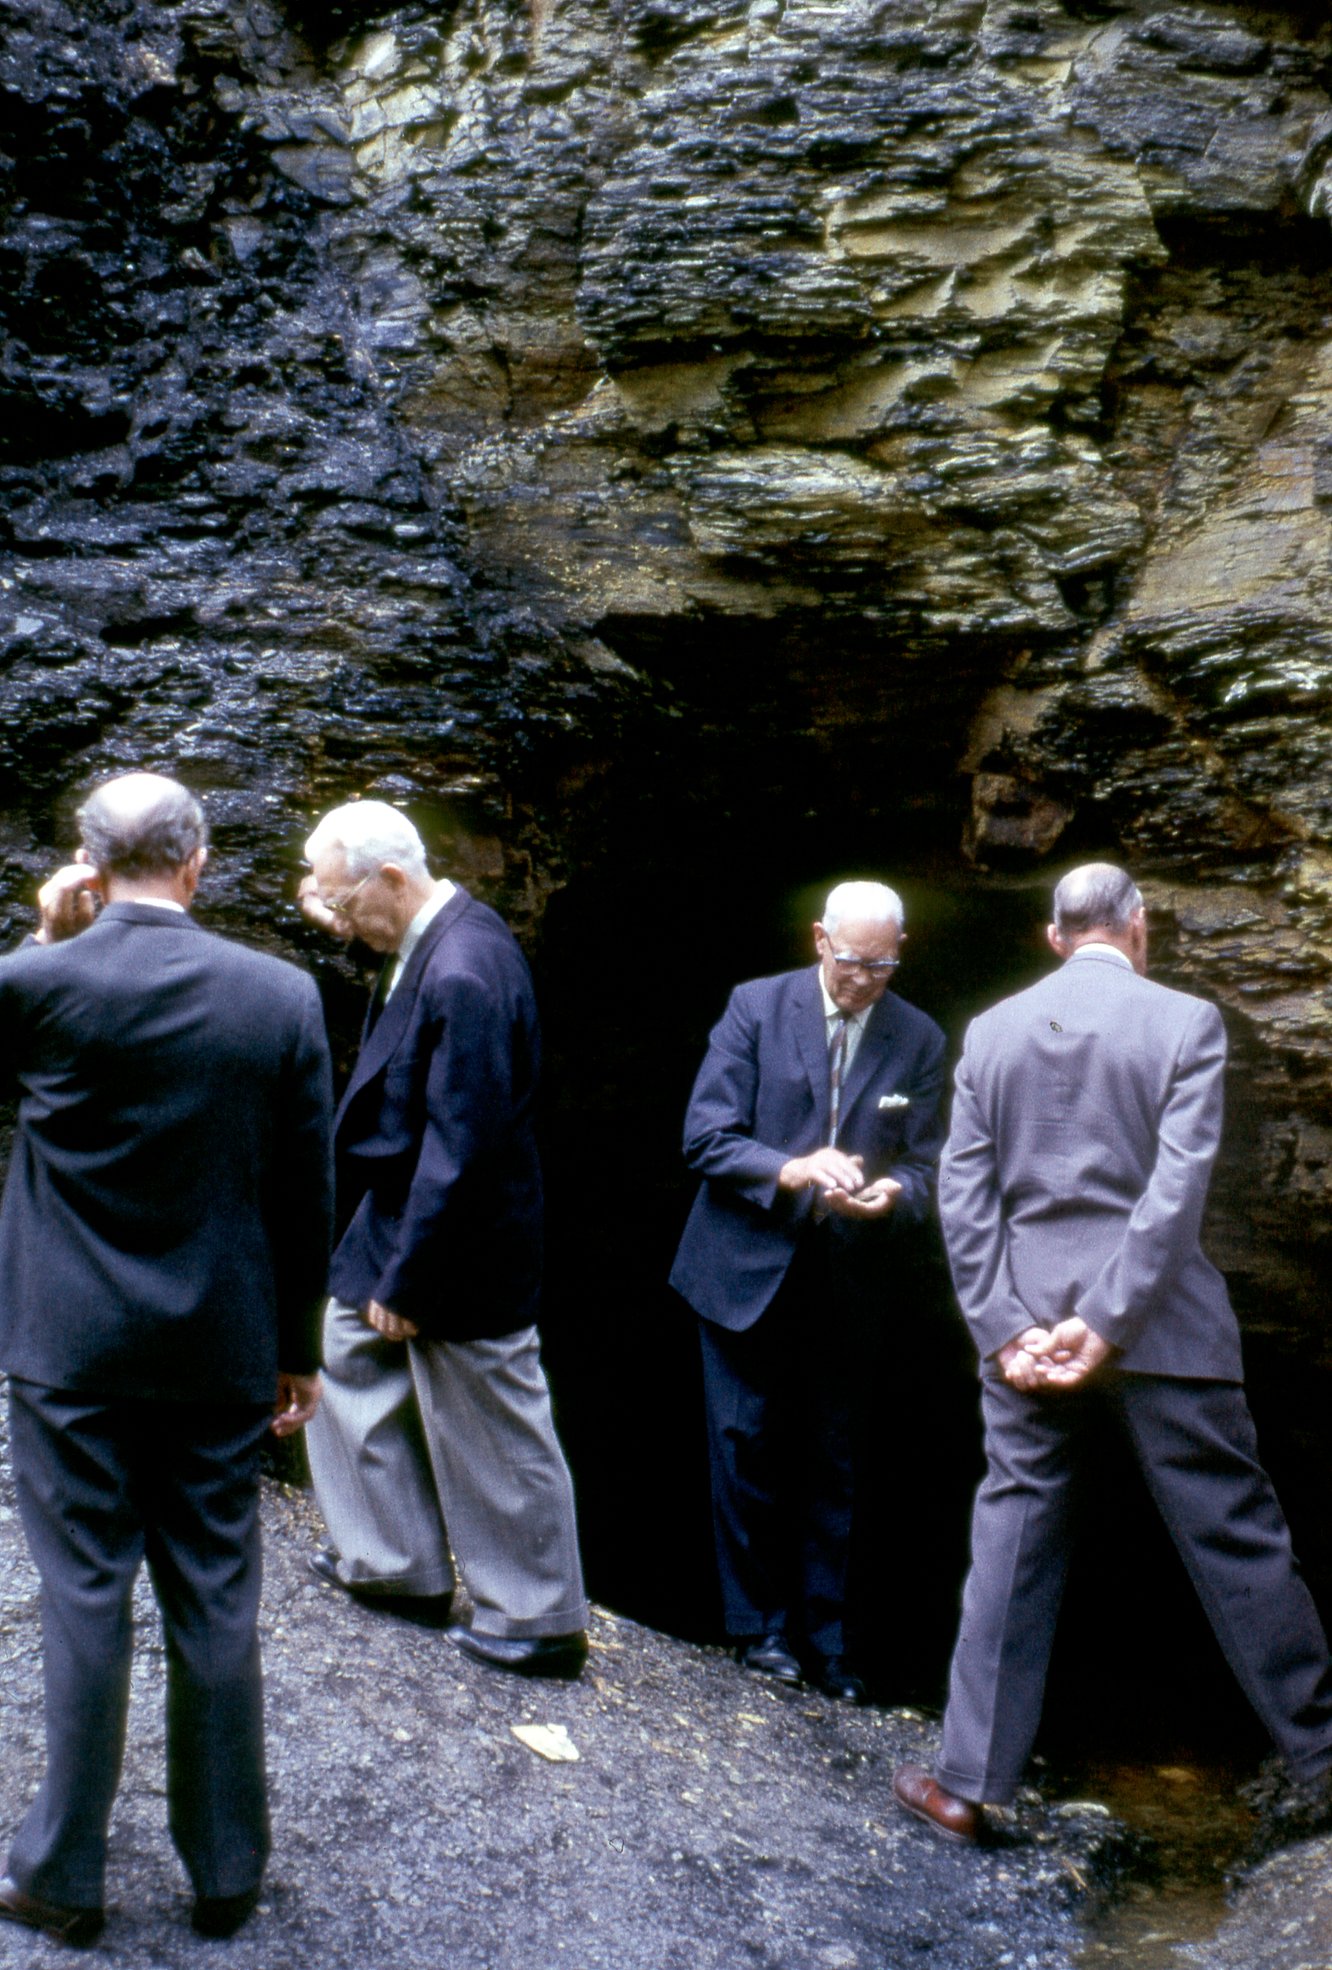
[(76, 1926), (222, 1915), (323, 1564), (527, 1655), (431, 1610), (837, 1681), (919, 1792), (771, 1656)]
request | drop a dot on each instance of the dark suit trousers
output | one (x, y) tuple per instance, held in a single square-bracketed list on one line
[(103, 1486), (778, 1399), (1195, 1445)]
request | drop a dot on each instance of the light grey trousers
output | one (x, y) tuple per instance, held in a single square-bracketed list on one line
[(427, 1452)]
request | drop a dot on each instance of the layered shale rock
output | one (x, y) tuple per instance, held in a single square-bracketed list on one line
[(497, 404)]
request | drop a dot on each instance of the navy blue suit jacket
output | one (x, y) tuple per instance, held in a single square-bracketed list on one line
[(439, 1183), (762, 1097), (166, 1217)]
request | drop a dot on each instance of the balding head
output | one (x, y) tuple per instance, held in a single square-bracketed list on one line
[(141, 824), (1100, 904)]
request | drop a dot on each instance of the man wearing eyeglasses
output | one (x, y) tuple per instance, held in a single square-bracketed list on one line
[(437, 1439), (814, 1124)]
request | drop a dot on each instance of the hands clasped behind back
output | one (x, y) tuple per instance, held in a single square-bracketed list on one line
[(1061, 1357)]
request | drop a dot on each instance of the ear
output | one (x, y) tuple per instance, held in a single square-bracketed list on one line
[(1055, 941), (820, 938)]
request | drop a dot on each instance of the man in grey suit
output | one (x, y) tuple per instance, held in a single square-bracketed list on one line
[(163, 1246), (1085, 1125)]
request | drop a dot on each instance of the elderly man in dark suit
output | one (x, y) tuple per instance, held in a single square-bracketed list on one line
[(814, 1124), (163, 1244), (1086, 1122), (436, 1434)]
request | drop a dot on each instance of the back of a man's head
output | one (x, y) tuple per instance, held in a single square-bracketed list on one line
[(1098, 896), (141, 824)]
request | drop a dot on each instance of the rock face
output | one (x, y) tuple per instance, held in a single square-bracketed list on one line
[(686, 449)]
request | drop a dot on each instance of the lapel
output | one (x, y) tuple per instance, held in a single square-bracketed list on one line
[(380, 1041), (811, 1035), (875, 1046)]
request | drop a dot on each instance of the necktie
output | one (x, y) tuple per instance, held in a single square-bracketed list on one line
[(379, 997), (836, 1073)]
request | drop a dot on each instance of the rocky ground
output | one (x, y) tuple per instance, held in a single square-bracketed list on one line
[(709, 1820)]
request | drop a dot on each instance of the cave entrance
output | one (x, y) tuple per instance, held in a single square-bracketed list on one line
[(714, 840)]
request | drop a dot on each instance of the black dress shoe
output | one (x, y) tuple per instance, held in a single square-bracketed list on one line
[(837, 1681), (75, 1926), (771, 1656), (533, 1655), (431, 1610), (222, 1915), (323, 1564)]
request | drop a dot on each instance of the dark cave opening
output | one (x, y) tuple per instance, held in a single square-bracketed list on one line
[(713, 863)]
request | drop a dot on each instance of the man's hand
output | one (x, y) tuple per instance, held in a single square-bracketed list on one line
[(65, 902), (826, 1169), (297, 1400), (316, 911), (391, 1325), (876, 1200), (1055, 1358), (1022, 1360), (1073, 1352)]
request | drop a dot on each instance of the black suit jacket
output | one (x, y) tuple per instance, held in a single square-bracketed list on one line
[(439, 1183), (165, 1224), (762, 1097)]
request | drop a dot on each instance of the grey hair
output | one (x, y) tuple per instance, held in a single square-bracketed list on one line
[(1096, 896), (862, 902), (369, 833), (141, 824)]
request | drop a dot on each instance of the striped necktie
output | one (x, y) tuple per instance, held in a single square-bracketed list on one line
[(836, 1074)]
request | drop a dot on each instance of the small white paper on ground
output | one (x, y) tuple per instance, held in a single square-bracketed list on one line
[(548, 1741)]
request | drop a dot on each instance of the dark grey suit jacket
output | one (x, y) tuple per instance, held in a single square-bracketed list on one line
[(1085, 1124), (165, 1225)]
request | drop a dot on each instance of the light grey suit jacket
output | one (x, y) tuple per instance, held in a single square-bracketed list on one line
[(1085, 1124)]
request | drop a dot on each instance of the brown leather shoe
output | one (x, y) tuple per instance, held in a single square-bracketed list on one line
[(920, 1793), (76, 1927)]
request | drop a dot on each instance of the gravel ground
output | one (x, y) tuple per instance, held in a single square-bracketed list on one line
[(710, 1821), (1282, 1918)]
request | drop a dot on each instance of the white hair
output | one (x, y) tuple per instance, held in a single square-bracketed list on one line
[(369, 834), (1096, 896), (862, 902)]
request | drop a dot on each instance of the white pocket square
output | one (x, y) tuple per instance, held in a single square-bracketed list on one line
[(894, 1101)]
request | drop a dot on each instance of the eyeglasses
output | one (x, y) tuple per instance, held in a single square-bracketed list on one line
[(876, 967), (338, 904)]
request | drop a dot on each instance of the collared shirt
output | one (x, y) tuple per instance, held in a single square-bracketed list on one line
[(1101, 951), (411, 937), (157, 903), (855, 1022)]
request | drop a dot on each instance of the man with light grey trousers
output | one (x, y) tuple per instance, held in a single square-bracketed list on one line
[(439, 1441), (1085, 1125)]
